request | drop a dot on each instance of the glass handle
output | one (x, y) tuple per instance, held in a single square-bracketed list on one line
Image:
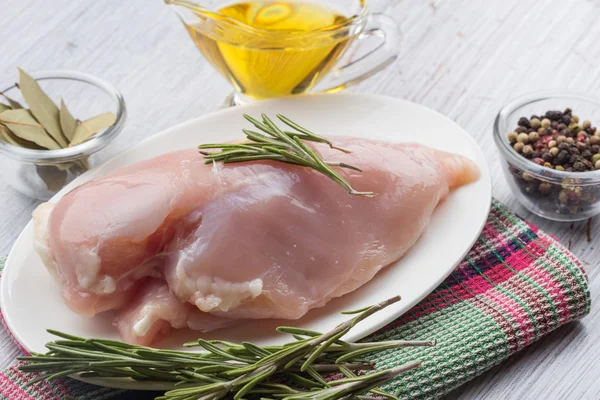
[(375, 60)]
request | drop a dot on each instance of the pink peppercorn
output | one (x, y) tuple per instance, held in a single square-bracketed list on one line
[(538, 161), (573, 196)]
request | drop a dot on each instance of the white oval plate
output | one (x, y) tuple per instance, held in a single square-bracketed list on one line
[(30, 298)]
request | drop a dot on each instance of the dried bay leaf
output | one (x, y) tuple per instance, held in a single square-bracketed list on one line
[(90, 127), (42, 107), (7, 136), (68, 123), (84, 164), (15, 105), (4, 107), (4, 135), (24, 125), (53, 177), (80, 165), (62, 166)]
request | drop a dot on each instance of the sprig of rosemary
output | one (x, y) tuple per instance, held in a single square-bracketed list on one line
[(283, 146), (297, 370)]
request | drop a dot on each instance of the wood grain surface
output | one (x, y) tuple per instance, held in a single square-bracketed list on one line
[(463, 58)]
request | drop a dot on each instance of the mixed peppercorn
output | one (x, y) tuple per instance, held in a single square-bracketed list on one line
[(559, 141)]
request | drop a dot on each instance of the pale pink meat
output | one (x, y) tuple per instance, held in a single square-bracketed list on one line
[(153, 311), (172, 242)]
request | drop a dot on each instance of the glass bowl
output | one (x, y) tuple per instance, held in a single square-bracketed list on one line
[(549, 193), (42, 173)]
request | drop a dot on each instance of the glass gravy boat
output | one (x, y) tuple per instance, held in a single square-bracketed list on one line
[(268, 48)]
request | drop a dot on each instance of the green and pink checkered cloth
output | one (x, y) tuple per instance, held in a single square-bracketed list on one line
[(516, 285)]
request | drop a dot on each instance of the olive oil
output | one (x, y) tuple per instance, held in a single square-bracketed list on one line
[(271, 48)]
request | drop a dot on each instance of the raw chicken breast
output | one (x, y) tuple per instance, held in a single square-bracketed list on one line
[(172, 242)]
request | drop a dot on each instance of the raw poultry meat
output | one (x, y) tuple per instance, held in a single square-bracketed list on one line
[(171, 242)]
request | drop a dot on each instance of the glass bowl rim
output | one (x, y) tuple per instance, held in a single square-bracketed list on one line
[(96, 143), (524, 164), (358, 18)]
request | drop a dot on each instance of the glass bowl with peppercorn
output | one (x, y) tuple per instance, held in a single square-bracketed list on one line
[(551, 151)]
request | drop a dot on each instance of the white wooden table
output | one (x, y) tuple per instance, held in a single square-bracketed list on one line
[(463, 58)]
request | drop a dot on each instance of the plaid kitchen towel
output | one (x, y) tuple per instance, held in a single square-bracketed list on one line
[(516, 285)]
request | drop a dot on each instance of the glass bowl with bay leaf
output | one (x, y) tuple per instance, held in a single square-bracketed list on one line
[(51, 122)]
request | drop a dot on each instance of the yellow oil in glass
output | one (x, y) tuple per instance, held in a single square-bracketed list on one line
[(291, 46)]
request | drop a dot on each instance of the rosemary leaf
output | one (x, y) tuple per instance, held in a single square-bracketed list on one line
[(256, 350), (217, 351), (305, 131), (316, 353), (262, 139), (302, 380), (255, 381), (316, 376), (400, 343), (360, 310), (273, 157)]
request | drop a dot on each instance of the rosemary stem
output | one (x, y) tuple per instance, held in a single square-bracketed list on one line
[(282, 146)]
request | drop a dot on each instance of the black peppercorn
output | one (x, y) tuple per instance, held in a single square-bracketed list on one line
[(562, 157), (554, 115), (520, 129), (547, 157), (524, 122)]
